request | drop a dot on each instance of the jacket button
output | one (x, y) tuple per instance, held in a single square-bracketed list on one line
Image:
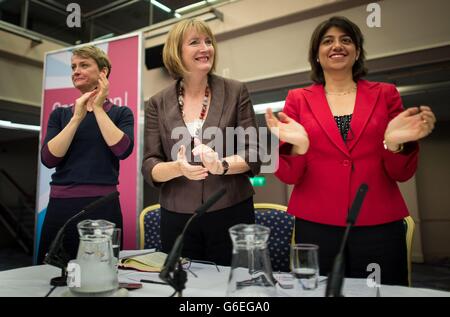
[(346, 162)]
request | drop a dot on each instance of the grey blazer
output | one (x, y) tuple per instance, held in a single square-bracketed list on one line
[(230, 107)]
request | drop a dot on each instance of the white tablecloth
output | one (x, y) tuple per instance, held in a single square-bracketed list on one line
[(34, 281)]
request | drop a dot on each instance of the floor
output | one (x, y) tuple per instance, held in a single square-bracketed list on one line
[(431, 276), (423, 275)]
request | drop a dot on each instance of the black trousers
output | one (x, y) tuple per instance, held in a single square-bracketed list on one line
[(59, 210), (207, 237), (383, 244)]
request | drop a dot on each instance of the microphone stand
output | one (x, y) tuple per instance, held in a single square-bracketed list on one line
[(57, 254), (172, 272), (336, 276)]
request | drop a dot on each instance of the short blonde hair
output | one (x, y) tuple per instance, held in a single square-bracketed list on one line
[(172, 52), (98, 55)]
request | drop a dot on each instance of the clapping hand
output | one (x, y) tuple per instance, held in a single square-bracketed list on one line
[(288, 130), (192, 172), (210, 158), (103, 90), (81, 104), (410, 125)]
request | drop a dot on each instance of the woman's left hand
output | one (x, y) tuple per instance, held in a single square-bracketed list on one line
[(410, 125), (210, 158), (103, 90)]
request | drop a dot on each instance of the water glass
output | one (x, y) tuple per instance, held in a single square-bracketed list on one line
[(115, 241), (304, 262)]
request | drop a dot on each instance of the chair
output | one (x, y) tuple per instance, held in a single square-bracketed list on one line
[(409, 228), (281, 236), (149, 222)]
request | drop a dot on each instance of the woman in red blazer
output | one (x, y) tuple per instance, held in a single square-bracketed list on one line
[(337, 134)]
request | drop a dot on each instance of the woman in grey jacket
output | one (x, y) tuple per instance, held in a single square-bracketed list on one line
[(194, 113)]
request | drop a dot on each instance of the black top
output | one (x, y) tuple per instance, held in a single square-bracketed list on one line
[(343, 123)]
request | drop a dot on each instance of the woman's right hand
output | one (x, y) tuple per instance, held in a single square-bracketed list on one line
[(81, 104), (192, 172), (288, 130)]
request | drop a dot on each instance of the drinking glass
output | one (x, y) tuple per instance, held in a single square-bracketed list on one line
[(115, 241), (304, 264)]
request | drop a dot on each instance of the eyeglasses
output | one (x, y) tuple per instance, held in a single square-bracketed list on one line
[(188, 263)]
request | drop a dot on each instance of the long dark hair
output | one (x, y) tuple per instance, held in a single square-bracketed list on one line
[(348, 27)]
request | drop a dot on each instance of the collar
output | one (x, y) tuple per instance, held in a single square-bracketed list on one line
[(366, 98)]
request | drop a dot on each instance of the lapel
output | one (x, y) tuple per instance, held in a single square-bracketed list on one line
[(217, 87), (172, 114), (366, 97), (319, 107)]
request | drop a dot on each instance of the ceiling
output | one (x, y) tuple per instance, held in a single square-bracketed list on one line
[(99, 18)]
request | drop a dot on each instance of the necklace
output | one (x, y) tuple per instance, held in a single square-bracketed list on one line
[(202, 112), (341, 93)]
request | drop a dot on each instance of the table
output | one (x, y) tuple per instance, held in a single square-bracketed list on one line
[(34, 281)]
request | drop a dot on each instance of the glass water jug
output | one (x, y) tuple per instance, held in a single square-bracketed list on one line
[(251, 272), (95, 269)]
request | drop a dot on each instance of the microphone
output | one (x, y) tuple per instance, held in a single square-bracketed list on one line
[(172, 264), (336, 277), (57, 255)]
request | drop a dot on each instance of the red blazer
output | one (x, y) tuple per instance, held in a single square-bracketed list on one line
[(327, 177)]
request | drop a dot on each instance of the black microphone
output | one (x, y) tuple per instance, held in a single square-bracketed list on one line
[(172, 264), (336, 276), (57, 255)]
